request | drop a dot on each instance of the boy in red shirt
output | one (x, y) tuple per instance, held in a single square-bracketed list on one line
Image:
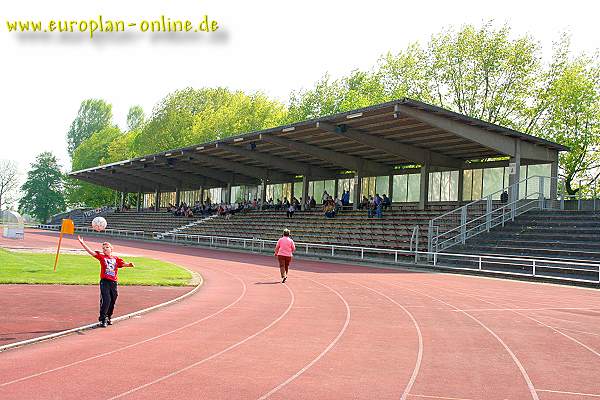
[(109, 267)]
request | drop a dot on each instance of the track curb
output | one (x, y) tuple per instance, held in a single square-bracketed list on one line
[(95, 324)]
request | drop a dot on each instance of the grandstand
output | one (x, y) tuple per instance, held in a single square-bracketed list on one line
[(444, 172)]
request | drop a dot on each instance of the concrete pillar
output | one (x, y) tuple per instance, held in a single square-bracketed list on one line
[(202, 193), (139, 201), (357, 190), (291, 191), (156, 200), (461, 184), (390, 192), (177, 196), (304, 191), (336, 189), (228, 194), (513, 193), (554, 180), (263, 192), (424, 189)]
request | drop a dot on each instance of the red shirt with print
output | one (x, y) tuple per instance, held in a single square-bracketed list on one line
[(109, 266)]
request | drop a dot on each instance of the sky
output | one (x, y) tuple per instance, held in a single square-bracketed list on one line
[(263, 45)]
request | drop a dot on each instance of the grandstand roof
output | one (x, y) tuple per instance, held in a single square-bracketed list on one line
[(374, 140)]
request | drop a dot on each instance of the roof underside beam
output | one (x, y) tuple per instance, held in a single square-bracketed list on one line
[(124, 182), (286, 164), (197, 170), (410, 152), (183, 178), (97, 180), (499, 142), (243, 169), (146, 179), (333, 157)]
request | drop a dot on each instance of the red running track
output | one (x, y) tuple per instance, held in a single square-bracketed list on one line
[(333, 331)]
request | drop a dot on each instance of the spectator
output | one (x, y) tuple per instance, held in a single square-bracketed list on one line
[(329, 209), (313, 203), (325, 197), (338, 204), (290, 211), (370, 207), (386, 202), (346, 198), (378, 201), (364, 203), (504, 197)]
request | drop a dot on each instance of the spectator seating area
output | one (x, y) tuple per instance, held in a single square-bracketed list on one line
[(147, 221), (349, 227)]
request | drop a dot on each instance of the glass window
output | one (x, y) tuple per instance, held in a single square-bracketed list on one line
[(543, 170), (468, 185), (346, 184), (445, 186), (414, 187), (298, 189), (477, 184), (400, 188), (492, 182), (434, 186), (368, 186), (382, 185), (453, 192), (523, 186)]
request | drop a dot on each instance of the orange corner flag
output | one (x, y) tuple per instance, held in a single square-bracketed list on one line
[(67, 227)]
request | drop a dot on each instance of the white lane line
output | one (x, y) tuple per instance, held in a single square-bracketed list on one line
[(575, 330), (438, 397), (573, 393), (531, 318), (527, 309), (413, 377), (136, 343), (329, 347), (233, 346), (508, 350)]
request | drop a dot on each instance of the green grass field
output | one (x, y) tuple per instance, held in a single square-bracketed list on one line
[(37, 268)]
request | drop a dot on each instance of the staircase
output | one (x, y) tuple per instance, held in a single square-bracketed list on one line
[(564, 244), (556, 234)]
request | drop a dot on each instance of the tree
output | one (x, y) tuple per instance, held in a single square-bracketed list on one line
[(43, 191), (8, 181), (359, 89), (135, 118), (190, 116), (93, 116), (92, 152), (567, 111)]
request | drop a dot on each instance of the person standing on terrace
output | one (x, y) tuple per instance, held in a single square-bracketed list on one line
[(283, 251)]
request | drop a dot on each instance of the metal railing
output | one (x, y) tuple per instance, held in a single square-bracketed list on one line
[(552, 269), (460, 224), (414, 238)]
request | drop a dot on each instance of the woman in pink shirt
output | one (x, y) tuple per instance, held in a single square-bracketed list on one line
[(283, 251)]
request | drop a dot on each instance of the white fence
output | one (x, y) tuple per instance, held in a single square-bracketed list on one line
[(553, 269)]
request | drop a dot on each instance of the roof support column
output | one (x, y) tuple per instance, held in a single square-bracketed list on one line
[(357, 190), (228, 193), (391, 187), (263, 193), (424, 189), (304, 192), (513, 179), (554, 180), (336, 189), (123, 194), (139, 201), (156, 200), (177, 196), (461, 184)]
